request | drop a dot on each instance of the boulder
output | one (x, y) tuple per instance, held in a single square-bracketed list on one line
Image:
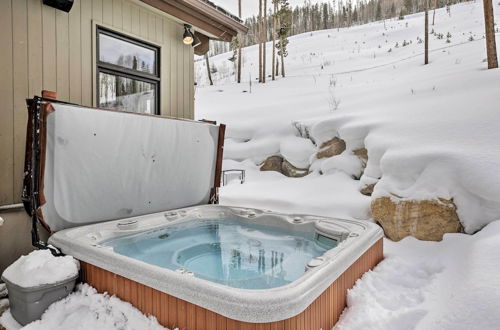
[(362, 153), (368, 189), (331, 148), (292, 171), (272, 163), (426, 220)]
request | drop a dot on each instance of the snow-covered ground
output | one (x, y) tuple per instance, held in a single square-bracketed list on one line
[(449, 285), (431, 131), (85, 309)]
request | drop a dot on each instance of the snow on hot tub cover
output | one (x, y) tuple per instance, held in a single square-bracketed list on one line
[(102, 165)]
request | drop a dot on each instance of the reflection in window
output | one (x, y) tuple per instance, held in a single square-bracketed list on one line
[(126, 94), (126, 54), (128, 73)]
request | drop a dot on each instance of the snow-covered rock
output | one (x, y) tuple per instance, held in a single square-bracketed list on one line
[(297, 151), (331, 148), (41, 267), (346, 162), (426, 220)]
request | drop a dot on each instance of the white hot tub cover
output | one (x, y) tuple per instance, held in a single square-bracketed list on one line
[(98, 165)]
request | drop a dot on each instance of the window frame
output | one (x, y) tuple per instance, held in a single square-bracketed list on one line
[(113, 69)]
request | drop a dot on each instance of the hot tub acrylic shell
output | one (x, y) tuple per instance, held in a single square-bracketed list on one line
[(356, 239)]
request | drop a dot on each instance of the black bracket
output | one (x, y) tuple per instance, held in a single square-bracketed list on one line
[(31, 189)]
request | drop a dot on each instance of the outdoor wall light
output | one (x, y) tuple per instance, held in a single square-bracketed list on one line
[(64, 5), (187, 37)]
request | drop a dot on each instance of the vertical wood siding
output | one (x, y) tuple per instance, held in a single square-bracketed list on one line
[(45, 48), (172, 312)]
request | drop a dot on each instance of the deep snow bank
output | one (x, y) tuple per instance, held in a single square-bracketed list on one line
[(86, 309), (452, 284)]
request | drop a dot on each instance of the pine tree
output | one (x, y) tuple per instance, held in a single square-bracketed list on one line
[(284, 16), (378, 15)]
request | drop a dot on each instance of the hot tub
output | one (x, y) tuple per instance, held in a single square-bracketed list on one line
[(142, 218), (245, 265)]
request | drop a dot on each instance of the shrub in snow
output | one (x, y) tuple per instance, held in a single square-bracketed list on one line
[(41, 267)]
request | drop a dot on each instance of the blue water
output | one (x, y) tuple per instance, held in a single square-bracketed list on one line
[(230, 252)]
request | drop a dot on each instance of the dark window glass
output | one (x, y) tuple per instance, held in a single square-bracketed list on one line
[(126, 94), (126, 54), (128, 73)]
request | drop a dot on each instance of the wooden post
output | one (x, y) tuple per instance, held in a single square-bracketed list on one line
[(489, 24), (49, 95), (240, 40), (426, 59)]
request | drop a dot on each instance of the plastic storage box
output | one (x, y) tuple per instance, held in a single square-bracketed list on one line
[(28, 304)]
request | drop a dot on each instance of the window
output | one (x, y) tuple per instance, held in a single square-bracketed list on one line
[(127, 73)]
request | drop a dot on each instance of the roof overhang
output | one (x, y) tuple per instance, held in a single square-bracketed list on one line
[(203, 15)]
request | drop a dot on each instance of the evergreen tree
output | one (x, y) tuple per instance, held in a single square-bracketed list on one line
[(378, 15), (284, 15)]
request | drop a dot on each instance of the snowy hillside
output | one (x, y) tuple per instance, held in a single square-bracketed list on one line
[(431, 131)]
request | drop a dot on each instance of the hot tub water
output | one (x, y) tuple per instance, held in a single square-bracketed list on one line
[(230, 252)]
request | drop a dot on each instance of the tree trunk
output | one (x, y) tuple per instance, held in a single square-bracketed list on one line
[(434, 14), (238, 78), (259, 37), (208, 69), (426, 60), (491, 48), (282, 59), (273, 32), (264, 41)]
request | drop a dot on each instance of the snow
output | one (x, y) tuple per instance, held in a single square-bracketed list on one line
[(41, 267), (86, 309), (346, 162), (321, 195), (430, 131), (297, 151), (456, 288)]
